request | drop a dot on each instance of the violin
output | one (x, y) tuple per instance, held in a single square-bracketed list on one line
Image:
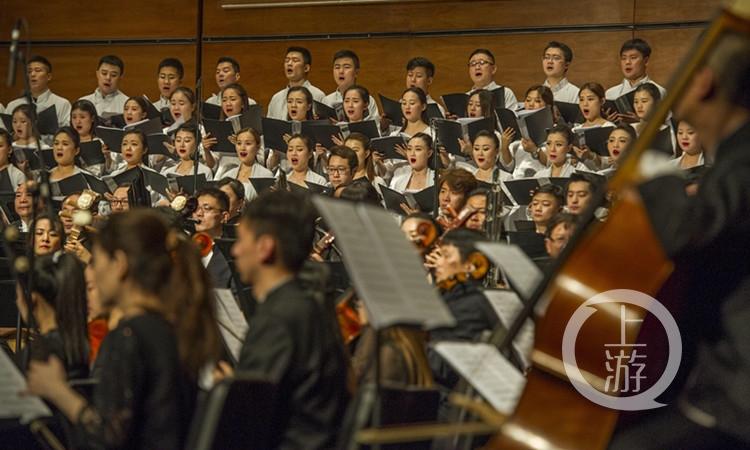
[(480, 265), (204, 242), (348, 317)]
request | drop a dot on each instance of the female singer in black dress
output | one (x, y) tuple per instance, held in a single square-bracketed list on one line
[(146, 393)]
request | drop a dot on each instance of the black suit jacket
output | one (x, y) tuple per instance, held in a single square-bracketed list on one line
[(291, 342), (708, 238), (220, 272)]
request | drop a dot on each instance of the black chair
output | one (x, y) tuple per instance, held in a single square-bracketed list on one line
[(236, 414)]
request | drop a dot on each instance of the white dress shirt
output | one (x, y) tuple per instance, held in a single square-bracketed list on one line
[(568, 170), (277, 105), (523, 164), (310, 177), (163, 102), (625, 87), (46, 100), (402, 176), (17, 177), (111, 104), (202, 169), (565, 91)]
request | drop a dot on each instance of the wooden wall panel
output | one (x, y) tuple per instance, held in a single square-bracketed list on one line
[(101, 19), (74, 68), (675, 10), (670, 48), (405, 16)]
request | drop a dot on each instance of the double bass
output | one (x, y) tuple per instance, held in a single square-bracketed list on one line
[(621, 253)]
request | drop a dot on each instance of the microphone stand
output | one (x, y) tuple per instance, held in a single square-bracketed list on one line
[(198, 90), (39, 191), (436, 163)]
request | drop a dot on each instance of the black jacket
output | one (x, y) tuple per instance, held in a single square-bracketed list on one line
[(291, 342), (708, 237)]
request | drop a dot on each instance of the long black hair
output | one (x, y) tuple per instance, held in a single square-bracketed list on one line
[(59, 280)]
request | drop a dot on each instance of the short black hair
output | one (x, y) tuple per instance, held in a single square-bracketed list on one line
[(306, 55), (636, 44), (235, 185), (550, 189), (289, 218), (42, 60), (172, 62), (216, 193), (567, 52), (483, 51), (585, 177), (112, 60), (347, 54), (421, 61), (464, 239), (346, 153), (230, 60), (362, 191)]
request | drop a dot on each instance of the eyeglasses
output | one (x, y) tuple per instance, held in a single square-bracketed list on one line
[(480, 63), (338, 170), (119, 202), (552, 58), (207, 209)]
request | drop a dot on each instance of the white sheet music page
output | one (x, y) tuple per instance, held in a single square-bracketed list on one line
[(384, 267), (491, 374), (524, 275), (507, 306), (13, 405), (232, 323)]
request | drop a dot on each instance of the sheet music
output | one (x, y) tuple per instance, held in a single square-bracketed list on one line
[(385, 268), (523, 274), (507, 305), (232, 323), (12, 405), (482, 365)]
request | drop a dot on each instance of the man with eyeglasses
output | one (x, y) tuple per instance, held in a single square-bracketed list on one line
[(482, 70), (342, 163), (119, 201), (556, 60), (211, 213)]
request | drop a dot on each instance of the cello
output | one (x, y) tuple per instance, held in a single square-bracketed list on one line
[(621, 253)]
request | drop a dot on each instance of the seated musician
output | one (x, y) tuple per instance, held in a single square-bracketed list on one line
[(559, 231), (453, 187), (707, 235), (546, 201), (211, 214), (48, 234), (23, 208), (148, 384), (291, 340), (462, 294)]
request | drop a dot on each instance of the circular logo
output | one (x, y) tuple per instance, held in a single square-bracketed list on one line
[(624, 366)]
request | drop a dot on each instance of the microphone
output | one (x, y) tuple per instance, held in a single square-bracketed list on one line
[(14, 36)]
